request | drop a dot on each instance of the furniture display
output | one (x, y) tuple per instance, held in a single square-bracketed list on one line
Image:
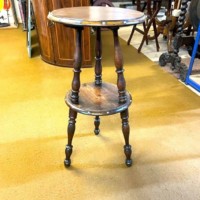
[(54, 47), (179, 40), (168, 26), (97, 98), (152, 7)]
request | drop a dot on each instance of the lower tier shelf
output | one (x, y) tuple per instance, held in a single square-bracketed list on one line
[(98, 100)]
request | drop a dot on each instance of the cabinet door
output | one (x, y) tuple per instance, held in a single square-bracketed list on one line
[(41, 10), (58, 42)]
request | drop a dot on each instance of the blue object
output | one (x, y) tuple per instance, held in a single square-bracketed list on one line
[(188, 80)]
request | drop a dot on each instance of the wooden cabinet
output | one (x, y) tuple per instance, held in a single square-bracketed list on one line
[(57, 42)]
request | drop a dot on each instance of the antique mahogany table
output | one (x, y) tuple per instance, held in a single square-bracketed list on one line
[(97, 98)]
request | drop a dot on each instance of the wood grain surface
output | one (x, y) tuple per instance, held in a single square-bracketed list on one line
[(98, 100), (97, 16)]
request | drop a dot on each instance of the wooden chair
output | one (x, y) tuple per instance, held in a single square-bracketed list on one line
[(102, 3), (152, 8), (168, 27)]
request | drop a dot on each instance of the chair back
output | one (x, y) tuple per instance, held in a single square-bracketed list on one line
[(152, 7), (103, 3)]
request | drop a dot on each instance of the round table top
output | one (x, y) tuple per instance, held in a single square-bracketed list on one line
[(96, 16)]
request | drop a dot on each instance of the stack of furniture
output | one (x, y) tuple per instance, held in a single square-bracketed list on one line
[(180, 39), (152, 8)]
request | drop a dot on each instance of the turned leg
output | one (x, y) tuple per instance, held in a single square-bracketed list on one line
[(118, 58), (98, 72), (98, 52), (70, 130), (77, 67), (126, 131), (96, 124), (156, 35)]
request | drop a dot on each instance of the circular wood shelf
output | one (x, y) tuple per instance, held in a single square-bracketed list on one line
[(98, 100), (96, 16)]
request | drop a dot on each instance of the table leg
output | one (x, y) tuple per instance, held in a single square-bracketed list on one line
[(98, 53), (74, 95), (118, 58), (77, 66), (126, 131), (98, 71), (96, 124), (70, 131)]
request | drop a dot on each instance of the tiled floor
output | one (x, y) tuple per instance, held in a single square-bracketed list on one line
[(150, 51)]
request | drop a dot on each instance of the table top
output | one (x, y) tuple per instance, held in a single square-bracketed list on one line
[(96, 16)]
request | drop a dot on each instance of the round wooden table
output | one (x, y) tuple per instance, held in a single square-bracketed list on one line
[(97, 98)]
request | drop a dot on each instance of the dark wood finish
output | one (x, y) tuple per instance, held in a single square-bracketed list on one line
[(126, 130), (70, 131), (98, 52), (92, 16), (98, 98), (153, 7), (57, 43), (118, 57), (77, 67), (96, 124)]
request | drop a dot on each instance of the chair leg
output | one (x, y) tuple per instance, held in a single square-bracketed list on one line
[(146, 31), (131, 35), (156, 35), (144, 38), (144, 27), (140, 31)]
